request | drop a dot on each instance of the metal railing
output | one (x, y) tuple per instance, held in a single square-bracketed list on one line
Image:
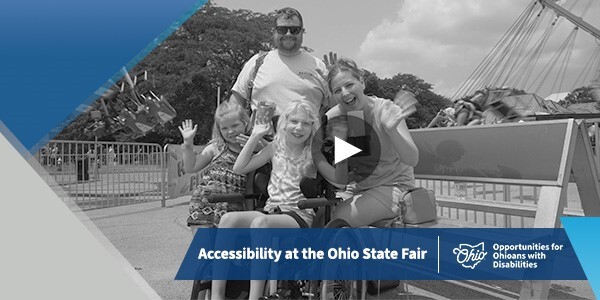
[(105, 174), (94, 176), (595, 137), (498, 205)]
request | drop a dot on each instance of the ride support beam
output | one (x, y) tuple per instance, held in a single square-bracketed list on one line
[(571, 17)]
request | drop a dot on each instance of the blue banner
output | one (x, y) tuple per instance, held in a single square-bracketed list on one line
[(56, 55), (387, 254)]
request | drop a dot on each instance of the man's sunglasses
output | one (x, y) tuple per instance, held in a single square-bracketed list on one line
[(292, 29)]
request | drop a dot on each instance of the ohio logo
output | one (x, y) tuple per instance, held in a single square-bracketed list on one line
[(469, 256)]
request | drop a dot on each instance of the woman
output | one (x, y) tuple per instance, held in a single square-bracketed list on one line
[(380, 179)]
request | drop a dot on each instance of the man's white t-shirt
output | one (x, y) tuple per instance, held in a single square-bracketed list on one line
[(282, 79)]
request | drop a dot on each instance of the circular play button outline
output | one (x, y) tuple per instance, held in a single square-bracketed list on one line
[(360, 134)]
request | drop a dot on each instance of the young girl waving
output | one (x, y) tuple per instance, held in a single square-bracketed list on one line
[(218, 158), (290, 154)]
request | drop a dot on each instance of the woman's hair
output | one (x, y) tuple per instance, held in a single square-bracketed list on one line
[(223, 109), (309, 110), (344, 64)]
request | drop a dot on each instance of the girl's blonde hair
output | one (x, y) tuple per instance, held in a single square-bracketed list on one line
[(313, 115), (223, 109)]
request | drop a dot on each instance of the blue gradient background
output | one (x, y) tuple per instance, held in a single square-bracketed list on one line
[(583, 234), (55, 54)]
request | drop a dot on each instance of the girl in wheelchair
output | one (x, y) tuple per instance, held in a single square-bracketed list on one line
[(218, 158), (292, 159)]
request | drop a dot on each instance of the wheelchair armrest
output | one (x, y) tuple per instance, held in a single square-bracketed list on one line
[(199, 223), (317, 202), (231, 198)]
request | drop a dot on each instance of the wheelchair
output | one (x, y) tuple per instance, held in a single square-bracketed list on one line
[(258, 195), (344, 289), (320, 197), (238, 289), (259, 180), (349, 289)]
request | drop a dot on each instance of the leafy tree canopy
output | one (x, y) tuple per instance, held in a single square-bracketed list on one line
[(205, 55), (582, 94)]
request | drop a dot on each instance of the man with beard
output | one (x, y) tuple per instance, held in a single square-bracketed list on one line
[(284, 74)]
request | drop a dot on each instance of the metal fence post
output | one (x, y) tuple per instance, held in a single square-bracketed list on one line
[(163, 168)]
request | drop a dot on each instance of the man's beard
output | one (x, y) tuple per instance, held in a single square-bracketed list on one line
[(293, 42)]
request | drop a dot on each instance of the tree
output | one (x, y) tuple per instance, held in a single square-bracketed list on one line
[(371, 83), (582, 94), (207, 51), (429, 102)]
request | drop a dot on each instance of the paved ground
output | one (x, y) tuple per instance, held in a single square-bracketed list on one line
[(154, 240)]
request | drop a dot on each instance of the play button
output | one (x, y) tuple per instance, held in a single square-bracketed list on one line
[(361, 148), (343, 150)]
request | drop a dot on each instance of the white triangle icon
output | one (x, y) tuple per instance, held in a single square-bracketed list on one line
[(343, 150)]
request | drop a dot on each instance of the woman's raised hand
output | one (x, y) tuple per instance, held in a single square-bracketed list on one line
[(330, 60), (405, 105), (188, 131), (391, 118)]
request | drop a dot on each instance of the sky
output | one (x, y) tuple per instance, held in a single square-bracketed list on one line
[(440, 41)]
